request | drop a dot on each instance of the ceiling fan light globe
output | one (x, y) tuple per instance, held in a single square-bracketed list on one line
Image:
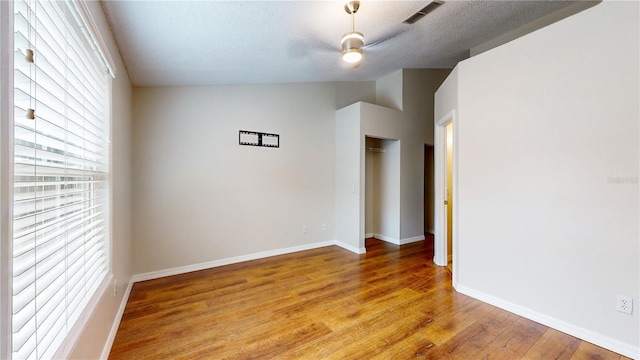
[(352, 44), (352, 55)]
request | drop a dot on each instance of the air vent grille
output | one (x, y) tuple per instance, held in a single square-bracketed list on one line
[(424, 11)]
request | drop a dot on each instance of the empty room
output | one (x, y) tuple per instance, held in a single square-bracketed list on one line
[(452, 179)]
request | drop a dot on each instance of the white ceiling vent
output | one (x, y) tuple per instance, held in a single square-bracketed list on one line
[(422, 12)]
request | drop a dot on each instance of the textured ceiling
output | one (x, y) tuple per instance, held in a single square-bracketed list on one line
[(175, 43)]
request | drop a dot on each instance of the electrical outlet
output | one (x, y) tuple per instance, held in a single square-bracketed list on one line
[(305, 229), (324, 227), (625, 304), (115, 287)]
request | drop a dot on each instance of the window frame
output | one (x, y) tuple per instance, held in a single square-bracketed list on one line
[(6, 173), (7, 183)]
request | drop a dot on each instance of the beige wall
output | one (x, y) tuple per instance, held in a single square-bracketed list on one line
[(200, 197), (389, 91), (96, 334), (387, 211), (416, 89), (547, 174), (419, 87)]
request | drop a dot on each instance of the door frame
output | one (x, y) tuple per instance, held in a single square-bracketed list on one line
[(440, 157)]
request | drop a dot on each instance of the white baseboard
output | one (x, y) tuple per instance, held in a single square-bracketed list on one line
[(350, 248), (369, 235), (581, 333), (116, 322), (411, 240), (388, 239), (228, 261), (395, 241), (216, 263)]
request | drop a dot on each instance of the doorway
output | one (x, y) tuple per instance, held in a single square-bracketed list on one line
[(382, 189), (445, 252), (429, 188), (449, 194)]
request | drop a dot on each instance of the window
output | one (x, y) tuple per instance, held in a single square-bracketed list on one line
[(60, 243)]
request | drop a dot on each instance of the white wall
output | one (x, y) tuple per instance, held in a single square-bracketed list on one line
[(387, 226), (96, 334), (446, 97), (354, 124), (533, 26), (200, 197), (347, 179), (547, 147)]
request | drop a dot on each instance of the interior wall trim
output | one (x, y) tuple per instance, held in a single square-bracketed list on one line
[(411, 240), (395, 241), (353, 249), (552, 322), (94, 30), (116, 322), (388, 239), (228, 261)]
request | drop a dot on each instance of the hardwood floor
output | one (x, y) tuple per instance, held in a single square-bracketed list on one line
[(328, 303)]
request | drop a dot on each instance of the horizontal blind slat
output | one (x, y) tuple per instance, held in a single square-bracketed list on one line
[(60, 242)]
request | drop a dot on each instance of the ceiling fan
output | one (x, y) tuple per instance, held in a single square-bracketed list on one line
[(353, 42)]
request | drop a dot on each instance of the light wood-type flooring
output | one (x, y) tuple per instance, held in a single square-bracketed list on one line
[(328, 303)]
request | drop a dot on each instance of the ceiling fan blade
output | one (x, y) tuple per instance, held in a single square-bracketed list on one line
[(386, 38), (303, 48)]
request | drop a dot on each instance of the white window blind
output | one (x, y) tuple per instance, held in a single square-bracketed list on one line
[(61, 161)]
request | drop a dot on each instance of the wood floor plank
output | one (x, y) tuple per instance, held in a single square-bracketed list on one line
[(514, 342), (346, 314), (385, 330), (366, 337), (447, 325), (553, 345), (588, 351), (267, 345), (390, 303), (414, 346), (468, 342)]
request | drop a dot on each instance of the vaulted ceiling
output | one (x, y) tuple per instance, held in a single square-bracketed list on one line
[(177, 43)]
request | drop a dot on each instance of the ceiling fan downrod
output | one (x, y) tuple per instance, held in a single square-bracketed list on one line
[(352, 42), (352, 8)]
